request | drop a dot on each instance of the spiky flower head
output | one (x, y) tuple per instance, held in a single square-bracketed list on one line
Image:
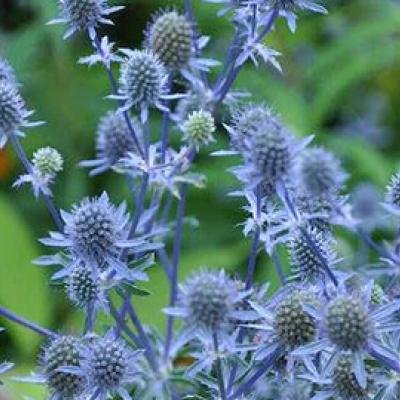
[(81, 15), (110, 365), (47, 161), (83, 288), (270, 153), (347, 322), (320, 172), (63, 352), (306, 265), (13, 113), (95, 227), (245, 121), (293, 325), (345, 383), (143, 79), (208, 299), (7, 72), (113, 141), (393, 193), (199, 128), (170, 37)]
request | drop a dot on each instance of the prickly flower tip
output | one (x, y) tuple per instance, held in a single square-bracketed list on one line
[(345, 383), (320, 173), (208, 299), (199, 128), (347, 323), (6, 72), (113, 141), (63, 352), (48, 161), (170, 36), (293, 325), (83, 15), (143, 79), (305, 264)]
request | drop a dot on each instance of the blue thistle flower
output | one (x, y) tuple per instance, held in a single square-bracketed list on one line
[(110, 366), (306, 266), (63, 352), (285, 323), (84, 15), (85, 289), (267, 147), (7, 72), (392, 201), (143, 81), (170, 37), (95, 234), (208, 300), (198, 128), (13, 112), (113, 142), (46, 164), (4, 368), (320, 173), (352, 325)]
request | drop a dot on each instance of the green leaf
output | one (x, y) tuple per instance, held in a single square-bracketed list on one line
[(23, 286)]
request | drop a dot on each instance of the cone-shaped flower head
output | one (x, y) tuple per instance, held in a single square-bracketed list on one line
[(48, 161), (81, 15), (143, 79), (13, 113), (320, 173), (293, 325), (7, 72), (304, 262), (199, 128), (113, 141), (170, 37), (208, 299), (63, 352), (345, 383)]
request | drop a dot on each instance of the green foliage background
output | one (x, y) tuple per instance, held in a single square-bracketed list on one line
[(331, 66)]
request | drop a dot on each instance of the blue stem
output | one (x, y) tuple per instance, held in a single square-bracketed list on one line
[(90, 318), (220, 377), (222, 91), (278, 266), (265, 366), (174, 266), (143, 338), (28, 167), (27, 324)]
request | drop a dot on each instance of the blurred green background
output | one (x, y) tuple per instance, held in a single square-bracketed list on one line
[(340, 82)]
